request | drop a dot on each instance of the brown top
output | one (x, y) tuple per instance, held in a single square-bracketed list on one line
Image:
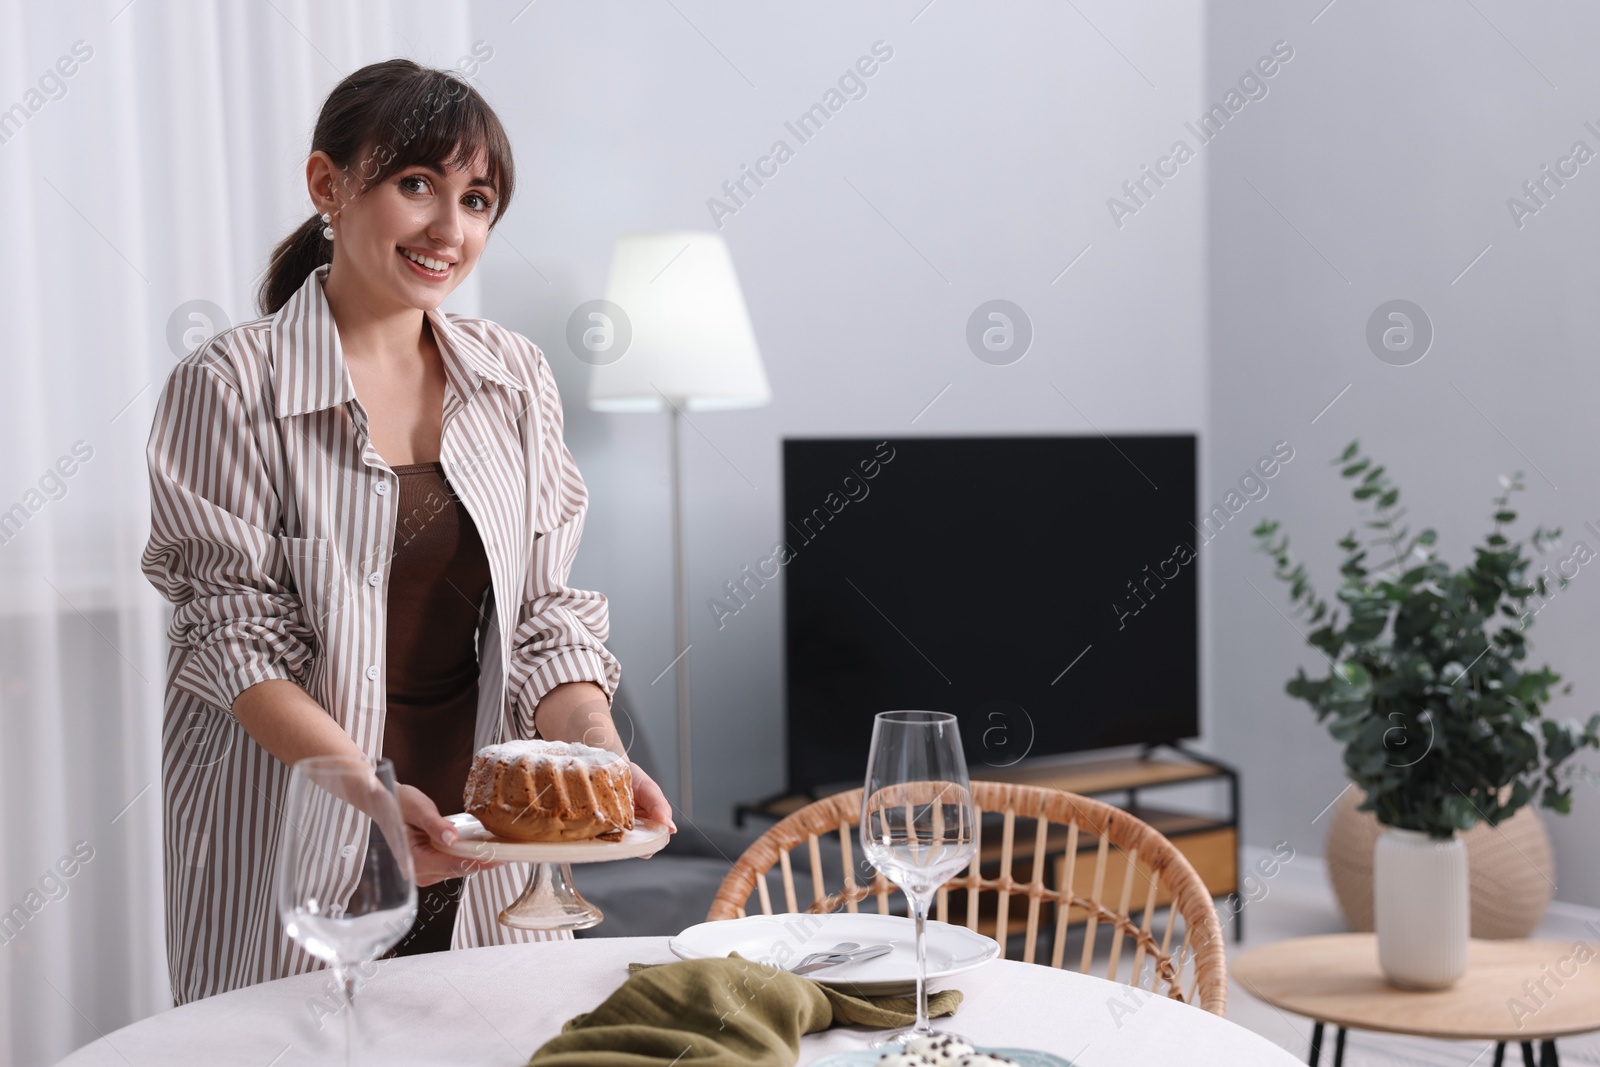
[(437, 583)]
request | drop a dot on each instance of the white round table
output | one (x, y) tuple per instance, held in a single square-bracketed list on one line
[(494, 1006)]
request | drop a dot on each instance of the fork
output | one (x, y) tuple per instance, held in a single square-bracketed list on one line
[(843, 946)]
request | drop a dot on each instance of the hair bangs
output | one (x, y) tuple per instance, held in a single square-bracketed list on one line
[(440, 122)]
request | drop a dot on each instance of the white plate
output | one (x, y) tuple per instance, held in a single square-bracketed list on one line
[(868, 1056), (474, 842), (782, 940)]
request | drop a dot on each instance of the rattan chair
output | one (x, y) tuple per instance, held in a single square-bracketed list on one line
[(1093, 848)]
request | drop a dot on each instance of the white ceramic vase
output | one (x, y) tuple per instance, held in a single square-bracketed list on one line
[(1421, 908)]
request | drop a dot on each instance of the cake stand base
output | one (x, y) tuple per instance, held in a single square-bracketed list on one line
[(550, 902)]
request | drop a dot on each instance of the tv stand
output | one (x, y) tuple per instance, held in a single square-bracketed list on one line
[(1210, 843)]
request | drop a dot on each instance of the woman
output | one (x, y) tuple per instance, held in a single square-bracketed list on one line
[(365, 515)]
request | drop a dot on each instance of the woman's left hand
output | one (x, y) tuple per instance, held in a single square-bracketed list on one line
[(649, 802), (581, 711)]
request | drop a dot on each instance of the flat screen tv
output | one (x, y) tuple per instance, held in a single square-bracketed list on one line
[(1041, 588)]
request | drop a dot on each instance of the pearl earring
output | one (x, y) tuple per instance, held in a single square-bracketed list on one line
[(327, 230)]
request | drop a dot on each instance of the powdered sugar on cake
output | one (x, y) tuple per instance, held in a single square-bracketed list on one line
[(552, 751)]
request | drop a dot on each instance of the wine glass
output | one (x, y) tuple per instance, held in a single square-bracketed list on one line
[(917, 822), (344, 916)]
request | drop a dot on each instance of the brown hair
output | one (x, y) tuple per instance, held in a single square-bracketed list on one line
[(379, 120)]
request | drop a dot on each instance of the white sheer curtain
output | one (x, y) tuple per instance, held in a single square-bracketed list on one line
[(157, 174)]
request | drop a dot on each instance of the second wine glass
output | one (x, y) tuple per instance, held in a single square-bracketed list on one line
[(343, 916), (917, 821)]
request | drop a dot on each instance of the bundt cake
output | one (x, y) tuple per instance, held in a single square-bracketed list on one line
[(550, 791)]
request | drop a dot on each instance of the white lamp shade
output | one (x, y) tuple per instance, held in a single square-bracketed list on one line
[(691, 339)]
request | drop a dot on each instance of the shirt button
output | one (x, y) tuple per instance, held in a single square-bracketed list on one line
[(372, 672), (375, 577), (382, 488)]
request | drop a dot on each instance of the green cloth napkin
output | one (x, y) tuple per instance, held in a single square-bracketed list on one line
[(718, 1012)]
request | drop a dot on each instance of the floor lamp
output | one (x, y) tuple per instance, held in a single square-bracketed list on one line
[(679, 341)]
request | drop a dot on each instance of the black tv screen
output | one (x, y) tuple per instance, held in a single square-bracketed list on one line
[(1043, 589)]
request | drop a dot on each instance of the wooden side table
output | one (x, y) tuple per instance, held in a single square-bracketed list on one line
[(1521, 992)]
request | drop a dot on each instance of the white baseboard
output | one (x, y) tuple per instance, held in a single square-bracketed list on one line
[(1304, 871), (1309, 874)]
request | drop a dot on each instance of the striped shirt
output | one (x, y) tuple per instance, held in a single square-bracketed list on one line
[(273, 522)]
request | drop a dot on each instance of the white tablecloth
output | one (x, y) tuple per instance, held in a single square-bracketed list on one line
[(494, 1006)]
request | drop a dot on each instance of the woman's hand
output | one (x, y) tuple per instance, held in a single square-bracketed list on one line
[(427, 829), (581, 711), (649, 802)]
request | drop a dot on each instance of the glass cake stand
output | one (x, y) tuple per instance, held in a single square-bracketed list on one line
[(550, 901)]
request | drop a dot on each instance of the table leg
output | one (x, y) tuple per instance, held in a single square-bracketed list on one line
[(1547, 1055), (1316, 1046), (1338, 1049), (1527, 1054), (1500, 1054)]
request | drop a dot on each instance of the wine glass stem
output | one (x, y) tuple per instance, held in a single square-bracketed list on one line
[(348, 979), (919, 912)]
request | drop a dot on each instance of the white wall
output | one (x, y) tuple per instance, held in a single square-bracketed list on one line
[(990, 141), (1388, 148)]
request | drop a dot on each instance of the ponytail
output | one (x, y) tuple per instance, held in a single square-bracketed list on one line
[(296, 256)]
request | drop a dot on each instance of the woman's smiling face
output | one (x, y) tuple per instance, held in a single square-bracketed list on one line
[(417, 213)]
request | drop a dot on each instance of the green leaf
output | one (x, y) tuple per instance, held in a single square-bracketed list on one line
[(1327, 639), (1356, 468), (1353, 673), (1349, 451), (1557, 800)]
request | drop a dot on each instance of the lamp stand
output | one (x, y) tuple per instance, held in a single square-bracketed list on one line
[(680, 629)]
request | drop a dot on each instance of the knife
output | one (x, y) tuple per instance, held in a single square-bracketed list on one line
[(837, 958)]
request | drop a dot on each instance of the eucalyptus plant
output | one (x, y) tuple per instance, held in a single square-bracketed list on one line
[(1441, 721)]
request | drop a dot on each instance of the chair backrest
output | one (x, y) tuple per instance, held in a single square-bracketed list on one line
[(1106, 869)]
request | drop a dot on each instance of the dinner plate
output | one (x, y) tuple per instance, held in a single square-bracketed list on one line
[(782, 940), (864, 1057), (474, 842)]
